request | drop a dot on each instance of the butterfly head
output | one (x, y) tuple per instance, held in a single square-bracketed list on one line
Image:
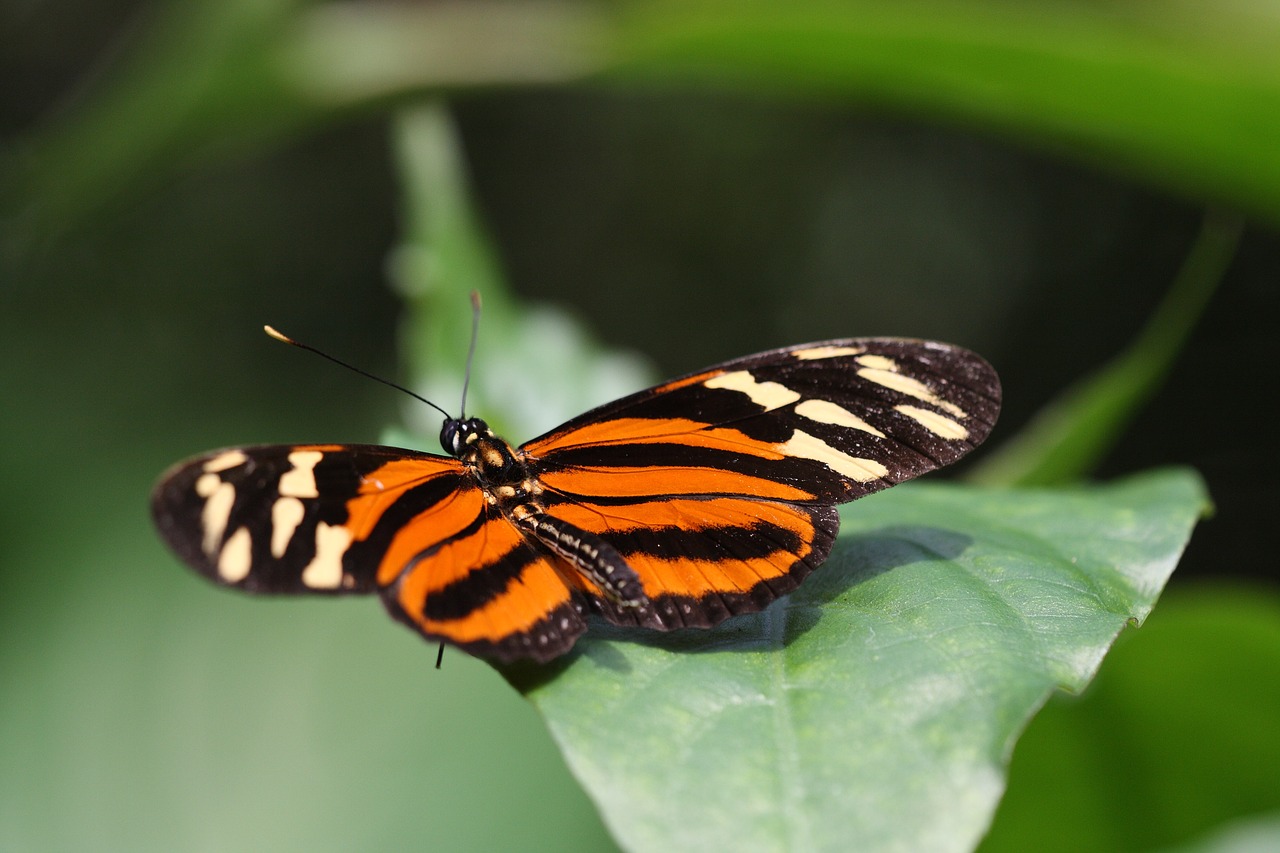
[(457, 434)]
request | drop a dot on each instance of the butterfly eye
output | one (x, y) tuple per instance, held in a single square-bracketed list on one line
[(457, 435), (451, 437)]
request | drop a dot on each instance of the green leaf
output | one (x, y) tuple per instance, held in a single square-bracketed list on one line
[(197, 83), (875, 708), (1176, 737), (1260, 835)]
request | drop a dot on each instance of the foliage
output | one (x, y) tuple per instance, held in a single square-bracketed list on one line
[(1174, 738)]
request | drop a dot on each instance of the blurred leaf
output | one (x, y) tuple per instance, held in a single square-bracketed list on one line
[(208, 79), (1177, 736), (1260, 835), (1186, 95), (352, 53), (195, 85), (875, 708), (534, 367), (1071, 435)]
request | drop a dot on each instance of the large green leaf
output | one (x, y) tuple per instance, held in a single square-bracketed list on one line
[(876, 707), (1176, 738)]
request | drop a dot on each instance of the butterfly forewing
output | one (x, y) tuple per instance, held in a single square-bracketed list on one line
[(717, 491), (835, 420), (300, 518)]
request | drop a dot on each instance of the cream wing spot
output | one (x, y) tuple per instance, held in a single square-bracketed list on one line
[(767, 395), (325, 569), (878, 362), (216, 513), (236, 558), (226, 459), (909, 386), (207, 484), (942, 427), (806, 446), (825, 412), (300, 480), (286, 515), (825, 352)]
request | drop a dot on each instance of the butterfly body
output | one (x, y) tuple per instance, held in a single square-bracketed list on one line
[(679, 506), (510, 485)]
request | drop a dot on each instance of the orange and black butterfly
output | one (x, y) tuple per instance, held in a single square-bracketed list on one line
[(706, 496)]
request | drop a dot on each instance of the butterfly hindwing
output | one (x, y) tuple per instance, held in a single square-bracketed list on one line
[(491, 593), (702, 559)]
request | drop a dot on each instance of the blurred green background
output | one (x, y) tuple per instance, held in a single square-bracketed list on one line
[(691, 182)]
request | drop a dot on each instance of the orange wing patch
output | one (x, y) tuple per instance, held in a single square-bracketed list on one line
[(700, 559), (664, 480), (382, 487), (438, 526), (649, 431), (491, 593)]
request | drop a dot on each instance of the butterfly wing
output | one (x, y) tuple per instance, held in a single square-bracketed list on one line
[(719, 488), (305, 518), (490, 592), (334, 519)]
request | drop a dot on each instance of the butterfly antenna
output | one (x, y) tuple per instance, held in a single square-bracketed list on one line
[(471, 350), (439, 655), (279, 336)]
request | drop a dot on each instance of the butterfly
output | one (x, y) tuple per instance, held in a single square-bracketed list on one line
[(679, 506)]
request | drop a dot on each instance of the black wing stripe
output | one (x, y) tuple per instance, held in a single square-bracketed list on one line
[(704, 543), (669, 612), (484, 583), (398, 522)]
